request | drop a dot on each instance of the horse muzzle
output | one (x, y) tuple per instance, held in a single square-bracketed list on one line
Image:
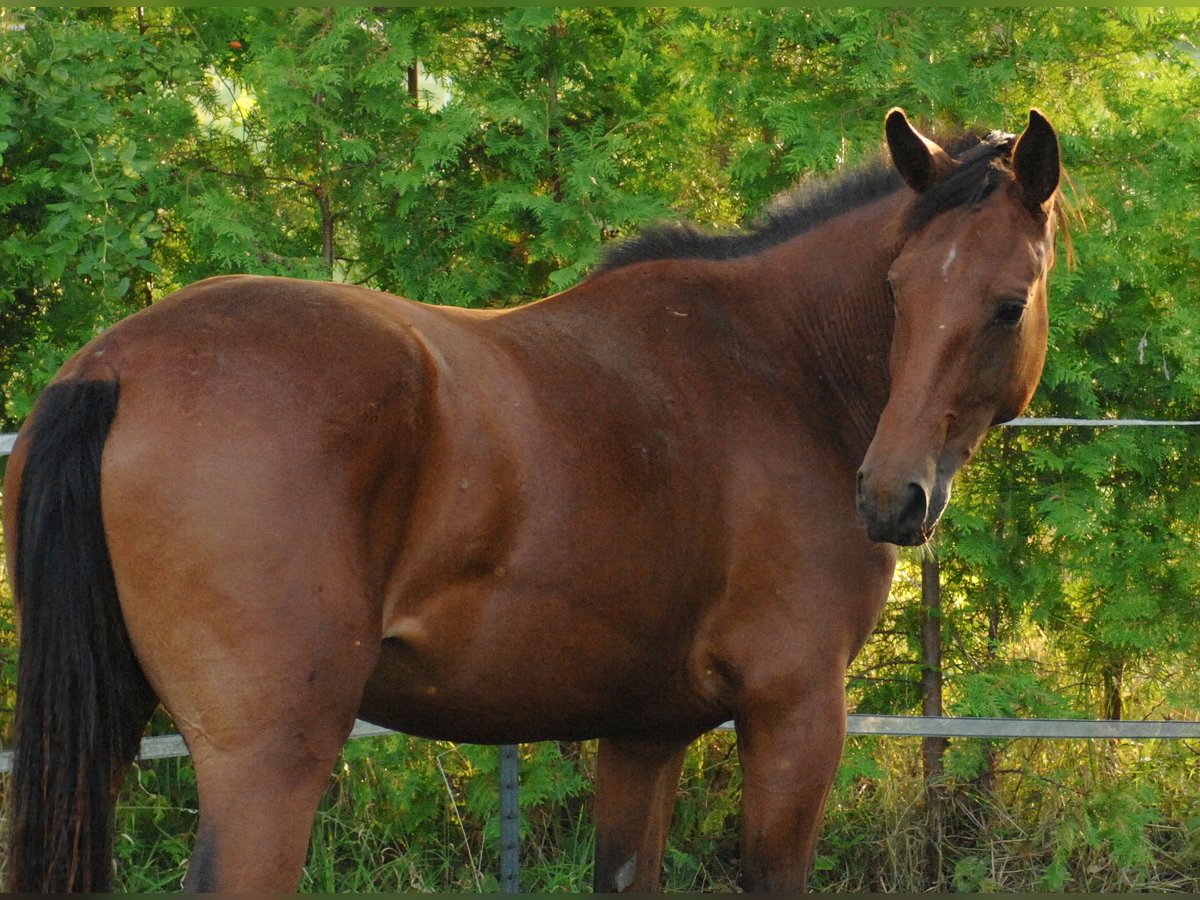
[(901, 511)]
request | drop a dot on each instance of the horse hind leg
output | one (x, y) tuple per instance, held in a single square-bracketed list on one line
[(262, 759), (265, 725), (262, 668), (636, 783), (256, 811), (253, 618)]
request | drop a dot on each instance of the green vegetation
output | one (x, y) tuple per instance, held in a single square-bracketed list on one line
[(145, 148)]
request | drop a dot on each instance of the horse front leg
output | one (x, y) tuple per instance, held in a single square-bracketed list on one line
[(636, 783), (789, 755)]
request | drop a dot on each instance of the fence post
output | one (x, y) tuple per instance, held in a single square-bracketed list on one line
[(510, 822)]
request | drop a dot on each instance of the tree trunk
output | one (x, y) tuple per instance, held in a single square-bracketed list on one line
[(1114, 706), (553, 136), (321, 192), (412, 82), (326, 227), (933, 749)]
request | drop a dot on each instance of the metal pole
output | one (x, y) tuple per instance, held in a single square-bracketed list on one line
[(510, 822)]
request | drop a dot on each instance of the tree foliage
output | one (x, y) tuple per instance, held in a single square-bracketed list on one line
[(143, 148)]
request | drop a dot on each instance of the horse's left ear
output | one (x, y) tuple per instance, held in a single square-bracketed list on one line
[(1035, 161)]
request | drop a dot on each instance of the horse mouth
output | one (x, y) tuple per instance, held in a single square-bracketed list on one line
[(908, 537)]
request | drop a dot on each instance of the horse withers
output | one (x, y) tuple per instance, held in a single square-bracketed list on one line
[(662, 499)]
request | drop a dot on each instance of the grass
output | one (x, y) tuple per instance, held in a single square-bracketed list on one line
[(406, 815)]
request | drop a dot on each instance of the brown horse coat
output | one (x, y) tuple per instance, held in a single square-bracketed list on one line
[(627, 511)]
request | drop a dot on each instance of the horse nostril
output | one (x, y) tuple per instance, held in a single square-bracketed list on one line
[(915, 507)]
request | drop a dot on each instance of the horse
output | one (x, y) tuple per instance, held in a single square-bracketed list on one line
[(667, 497)]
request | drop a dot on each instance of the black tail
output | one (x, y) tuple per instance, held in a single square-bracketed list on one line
[(76, 666)]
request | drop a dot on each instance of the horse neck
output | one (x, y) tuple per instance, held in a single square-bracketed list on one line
[(829, 287)]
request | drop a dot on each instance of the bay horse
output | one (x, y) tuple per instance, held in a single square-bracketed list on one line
[(665, 498)]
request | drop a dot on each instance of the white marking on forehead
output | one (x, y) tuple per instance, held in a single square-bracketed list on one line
[(950, 257)]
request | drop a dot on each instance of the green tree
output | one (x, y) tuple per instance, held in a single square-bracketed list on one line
[(145, 148), (500, 195), (93, 101)]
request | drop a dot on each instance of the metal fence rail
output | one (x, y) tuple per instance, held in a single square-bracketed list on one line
[(1097, 423), (169, 746)]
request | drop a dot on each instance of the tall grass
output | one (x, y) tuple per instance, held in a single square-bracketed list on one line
[(408, 815)]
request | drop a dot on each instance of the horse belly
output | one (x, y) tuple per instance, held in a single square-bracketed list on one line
[(544, 591), (514, 669)]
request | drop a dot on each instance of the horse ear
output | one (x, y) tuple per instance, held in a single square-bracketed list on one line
[(920, 162), (1035, 161)]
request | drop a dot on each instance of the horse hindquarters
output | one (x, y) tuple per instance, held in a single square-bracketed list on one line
[(239, 560), (82, 699)]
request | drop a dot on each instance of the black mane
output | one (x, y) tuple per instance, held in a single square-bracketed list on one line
[(817, 201)]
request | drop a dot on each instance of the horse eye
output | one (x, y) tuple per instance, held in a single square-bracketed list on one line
[(1010, 313)]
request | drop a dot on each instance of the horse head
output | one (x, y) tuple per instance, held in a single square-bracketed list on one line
[(969, 291)]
